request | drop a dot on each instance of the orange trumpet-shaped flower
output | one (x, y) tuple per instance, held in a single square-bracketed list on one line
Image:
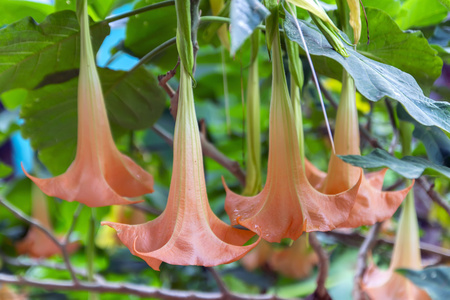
[(100, 175), (295, 261), (36, 243), (372, 204), (187, 232), (388, 285), (7, 293), (288, 205)]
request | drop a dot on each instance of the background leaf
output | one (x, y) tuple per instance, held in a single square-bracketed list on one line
[(245, 16), (375, 80), (409, 166), (418, 13), (133, 99), (435, 281), (29, 52), (13, 10)]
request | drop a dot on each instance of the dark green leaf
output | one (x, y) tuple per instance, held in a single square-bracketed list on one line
[(245, 16), (5, 170), (134, 101), (435, 141), (148, 30), (373, 79), (13, 10), (408, 166), (407, 51), (435, 281), (29, 52)]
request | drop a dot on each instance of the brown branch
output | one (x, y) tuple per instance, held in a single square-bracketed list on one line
[(62, 246), (220, 283), (128, 289), (428, 187), (321, 292), (361, 266), (147, 208), (355, 239)]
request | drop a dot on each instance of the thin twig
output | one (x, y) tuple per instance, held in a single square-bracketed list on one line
[(391, 114), (127, 289), (74, 223), (321, 291), (361, 266), (138, 11), (220, 283), (19, 214), (147, 208), (355, 239), (428, 187)]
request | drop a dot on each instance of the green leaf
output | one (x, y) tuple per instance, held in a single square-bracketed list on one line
[(133, 99), (419, 13), (391, 7), (5, 170), (245, 16), (409, 166), (13, 10), (446, 3), (407, 51), (435, 281), (29, 52), (435, 141), (148, 30), (375, 80), (13, 98)]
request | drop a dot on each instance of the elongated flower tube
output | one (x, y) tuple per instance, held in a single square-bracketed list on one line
[(288, 205), (222, 32), (253, 181), (372, 204), (100, 175), (355, 19), (387, 284), (187, 232), (36, 243)]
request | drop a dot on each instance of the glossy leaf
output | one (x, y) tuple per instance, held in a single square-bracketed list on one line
[(435, 281), (409, 166), (375, 80), (29, 52)]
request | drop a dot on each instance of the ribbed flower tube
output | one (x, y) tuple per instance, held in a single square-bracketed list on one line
[(288, 205), (187, 232), (100, 175)]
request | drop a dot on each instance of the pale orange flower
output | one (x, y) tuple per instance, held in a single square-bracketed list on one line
[(372, 204), (258, 257), (387, 284), (187, 232), (295, 261), (6, 293), (100, 175), (288, 205), (36, 243)]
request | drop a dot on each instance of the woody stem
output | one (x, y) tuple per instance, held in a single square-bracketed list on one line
[(90, 251)]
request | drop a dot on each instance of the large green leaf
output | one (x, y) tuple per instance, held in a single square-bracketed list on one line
[(148, 30), (134, 101), (98, 9), (245, 16), (435, 281), (373, 79), (407, 51), (408, 166), (13, 10), (391, 7), (29, 52), (419, 13)]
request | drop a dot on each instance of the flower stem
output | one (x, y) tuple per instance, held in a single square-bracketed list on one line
[(138, 11), (90, 251)]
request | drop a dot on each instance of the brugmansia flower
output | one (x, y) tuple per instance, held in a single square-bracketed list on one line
[(258, 257), (355, 19), (295, 261), (36, 243), (100, 175), (7, 293), (372, 204), (187, 232), (288, 205), (222, 32), (389, 285)]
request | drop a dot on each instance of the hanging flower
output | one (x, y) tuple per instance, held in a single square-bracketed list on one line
[(187, 232), (36, 243), (295, 261), (100, 175), (6, 293), (258, 256), (387, 284), (372, 204), (288, 205)]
